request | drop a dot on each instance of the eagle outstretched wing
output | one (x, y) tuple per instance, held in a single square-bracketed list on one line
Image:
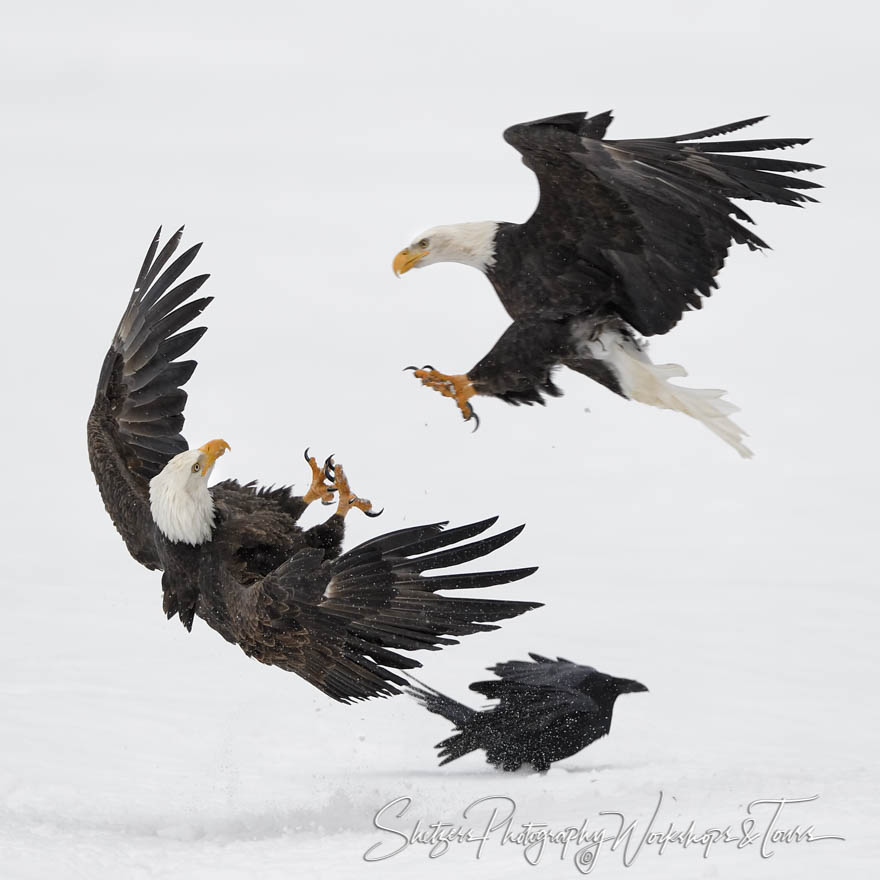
[(135, 424), (339, 623), (640, 227)]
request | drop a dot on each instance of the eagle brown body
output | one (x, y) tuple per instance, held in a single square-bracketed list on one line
[(287, 596)]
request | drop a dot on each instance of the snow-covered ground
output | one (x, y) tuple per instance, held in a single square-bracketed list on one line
[(305, 148)]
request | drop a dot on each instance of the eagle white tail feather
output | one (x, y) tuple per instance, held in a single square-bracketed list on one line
[(642, 380)]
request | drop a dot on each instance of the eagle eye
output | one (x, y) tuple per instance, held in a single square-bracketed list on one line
[(196, 468), (423, 243)]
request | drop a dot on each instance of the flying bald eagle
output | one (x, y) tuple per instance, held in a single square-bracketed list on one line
[(627, 236), (547, 710), (234, 555)]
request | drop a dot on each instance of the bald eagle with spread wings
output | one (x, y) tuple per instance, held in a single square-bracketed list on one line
[(627, 236), (547, 710), (235, 556)]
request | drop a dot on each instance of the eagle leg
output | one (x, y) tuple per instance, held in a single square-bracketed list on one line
[(347, 499), (318, 488), (459, 388)]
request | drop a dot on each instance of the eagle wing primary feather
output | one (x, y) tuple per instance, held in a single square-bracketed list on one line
[(339, 623), (135, 425), (641, 227)]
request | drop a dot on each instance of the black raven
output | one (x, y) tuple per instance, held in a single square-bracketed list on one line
[(547, 710)]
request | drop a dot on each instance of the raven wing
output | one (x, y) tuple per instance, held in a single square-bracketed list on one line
[(514, 675), (535, 695)]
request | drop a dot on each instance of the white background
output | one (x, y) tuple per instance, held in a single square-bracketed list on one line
[(305, 144)]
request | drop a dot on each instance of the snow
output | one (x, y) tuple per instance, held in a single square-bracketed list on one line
[(306, 147)]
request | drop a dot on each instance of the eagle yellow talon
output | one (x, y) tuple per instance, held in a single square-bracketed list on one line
[(318, 489), (459, 388), (347, 499)]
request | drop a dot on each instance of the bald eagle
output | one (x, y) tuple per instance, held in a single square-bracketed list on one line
[(627, 236), (547, 710), (234, 555)]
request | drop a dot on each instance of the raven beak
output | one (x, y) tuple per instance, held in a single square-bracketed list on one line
[(406, 259), (627, 686), (213, 449)]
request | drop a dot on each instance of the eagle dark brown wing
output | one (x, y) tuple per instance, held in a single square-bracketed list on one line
[(135, 424), (639, 228), (339, 624)]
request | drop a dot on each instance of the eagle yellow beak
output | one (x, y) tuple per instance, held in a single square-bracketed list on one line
[(213, 449), (406, 259)]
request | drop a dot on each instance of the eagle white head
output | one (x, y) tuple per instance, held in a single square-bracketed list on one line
[(470, 243), (181, 505)]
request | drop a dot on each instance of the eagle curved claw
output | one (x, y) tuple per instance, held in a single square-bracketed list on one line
[(459, 388), (328, 475), (347, 499), (318, 488)]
